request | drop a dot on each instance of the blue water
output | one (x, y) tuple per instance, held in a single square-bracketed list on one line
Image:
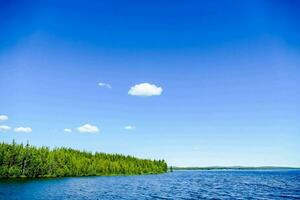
[(271, 184)]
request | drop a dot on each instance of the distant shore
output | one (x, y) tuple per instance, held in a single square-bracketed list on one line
[(235, 168)]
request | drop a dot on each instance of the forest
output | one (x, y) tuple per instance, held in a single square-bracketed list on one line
[(18, 160)]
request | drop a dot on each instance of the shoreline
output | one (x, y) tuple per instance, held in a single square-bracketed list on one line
[(233, 168), (54, 177)]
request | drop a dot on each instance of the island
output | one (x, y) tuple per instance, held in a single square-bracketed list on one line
[(27, 161)]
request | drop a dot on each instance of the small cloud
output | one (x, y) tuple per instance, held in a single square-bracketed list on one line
[(3, 117), (105, 85), (23, 129), (145, 89), (129, 127), (67, 130), (88, 128), (4, 128)]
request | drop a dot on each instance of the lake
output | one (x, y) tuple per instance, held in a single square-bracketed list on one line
[(208, 184)]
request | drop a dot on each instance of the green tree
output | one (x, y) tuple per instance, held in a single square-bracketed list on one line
[(17, 160)]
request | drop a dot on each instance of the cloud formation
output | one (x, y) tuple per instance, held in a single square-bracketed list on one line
[(3, 117), (106, 85), (67, 130), (145, 89), (4, 128), (23, 129), (129, 127), (88, 128)]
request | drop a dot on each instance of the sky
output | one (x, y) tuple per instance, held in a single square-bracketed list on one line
[(197, 83)]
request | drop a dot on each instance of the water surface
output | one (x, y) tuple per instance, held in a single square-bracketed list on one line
[(227, 184)]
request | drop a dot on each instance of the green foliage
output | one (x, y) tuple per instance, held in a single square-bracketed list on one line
[(17, 160)]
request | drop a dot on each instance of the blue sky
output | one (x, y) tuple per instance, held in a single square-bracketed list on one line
[(221, 79)]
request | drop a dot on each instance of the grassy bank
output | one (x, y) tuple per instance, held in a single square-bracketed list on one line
[(18, 160)]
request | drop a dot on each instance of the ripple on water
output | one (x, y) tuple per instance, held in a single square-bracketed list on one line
[(273, 184)]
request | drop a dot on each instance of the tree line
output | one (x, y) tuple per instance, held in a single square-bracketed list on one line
[(18, 160)]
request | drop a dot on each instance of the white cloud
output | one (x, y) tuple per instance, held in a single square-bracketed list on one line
[(106, 85), (23, 129), (3, 117), (4, 128), (129, 127), (88, 128), (145, 89), (67, 130)]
